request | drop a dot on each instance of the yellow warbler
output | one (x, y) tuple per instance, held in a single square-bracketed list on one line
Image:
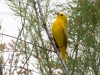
[(59, 31)]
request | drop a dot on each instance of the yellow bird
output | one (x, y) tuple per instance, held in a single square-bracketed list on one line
[(59, 31)]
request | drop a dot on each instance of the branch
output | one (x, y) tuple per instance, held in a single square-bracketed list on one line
[(49, 36), (98, 67), (37, 18), (26, 62), (28, 42), (18, 37), (1, 71)]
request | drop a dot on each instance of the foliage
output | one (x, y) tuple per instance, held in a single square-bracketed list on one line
[(34, 54), (84, 31)]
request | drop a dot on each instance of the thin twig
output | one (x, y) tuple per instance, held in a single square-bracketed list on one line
[(28, 42), (20, 67), (49, 36), (1, 71), (6, 60), (10, 70), (48, 64), (27, 61), (98, 65)]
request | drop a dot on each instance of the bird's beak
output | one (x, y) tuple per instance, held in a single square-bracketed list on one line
[(57, 13)]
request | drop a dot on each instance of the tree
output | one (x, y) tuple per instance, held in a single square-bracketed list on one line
[(84, 28), (33, 51)]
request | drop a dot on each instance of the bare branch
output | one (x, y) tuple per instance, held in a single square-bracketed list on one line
[(10, 70), (98, 67), (28, 42), (1, 72), (41, 38), (49, 36)]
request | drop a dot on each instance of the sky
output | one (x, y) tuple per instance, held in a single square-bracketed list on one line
[(9, 23)]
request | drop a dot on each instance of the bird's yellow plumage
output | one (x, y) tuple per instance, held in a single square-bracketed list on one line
[(59, 31)]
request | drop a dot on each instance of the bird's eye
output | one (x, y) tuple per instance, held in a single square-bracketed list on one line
[(61, 14)]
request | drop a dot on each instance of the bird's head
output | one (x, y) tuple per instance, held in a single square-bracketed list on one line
[(61, 15)]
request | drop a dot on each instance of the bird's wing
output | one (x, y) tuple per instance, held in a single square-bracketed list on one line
[(59, 32), (65, 36)]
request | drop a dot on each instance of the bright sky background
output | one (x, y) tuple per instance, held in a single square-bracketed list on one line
[(9, 23)]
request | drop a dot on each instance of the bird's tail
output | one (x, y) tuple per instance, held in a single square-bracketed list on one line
[(63, 53)]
